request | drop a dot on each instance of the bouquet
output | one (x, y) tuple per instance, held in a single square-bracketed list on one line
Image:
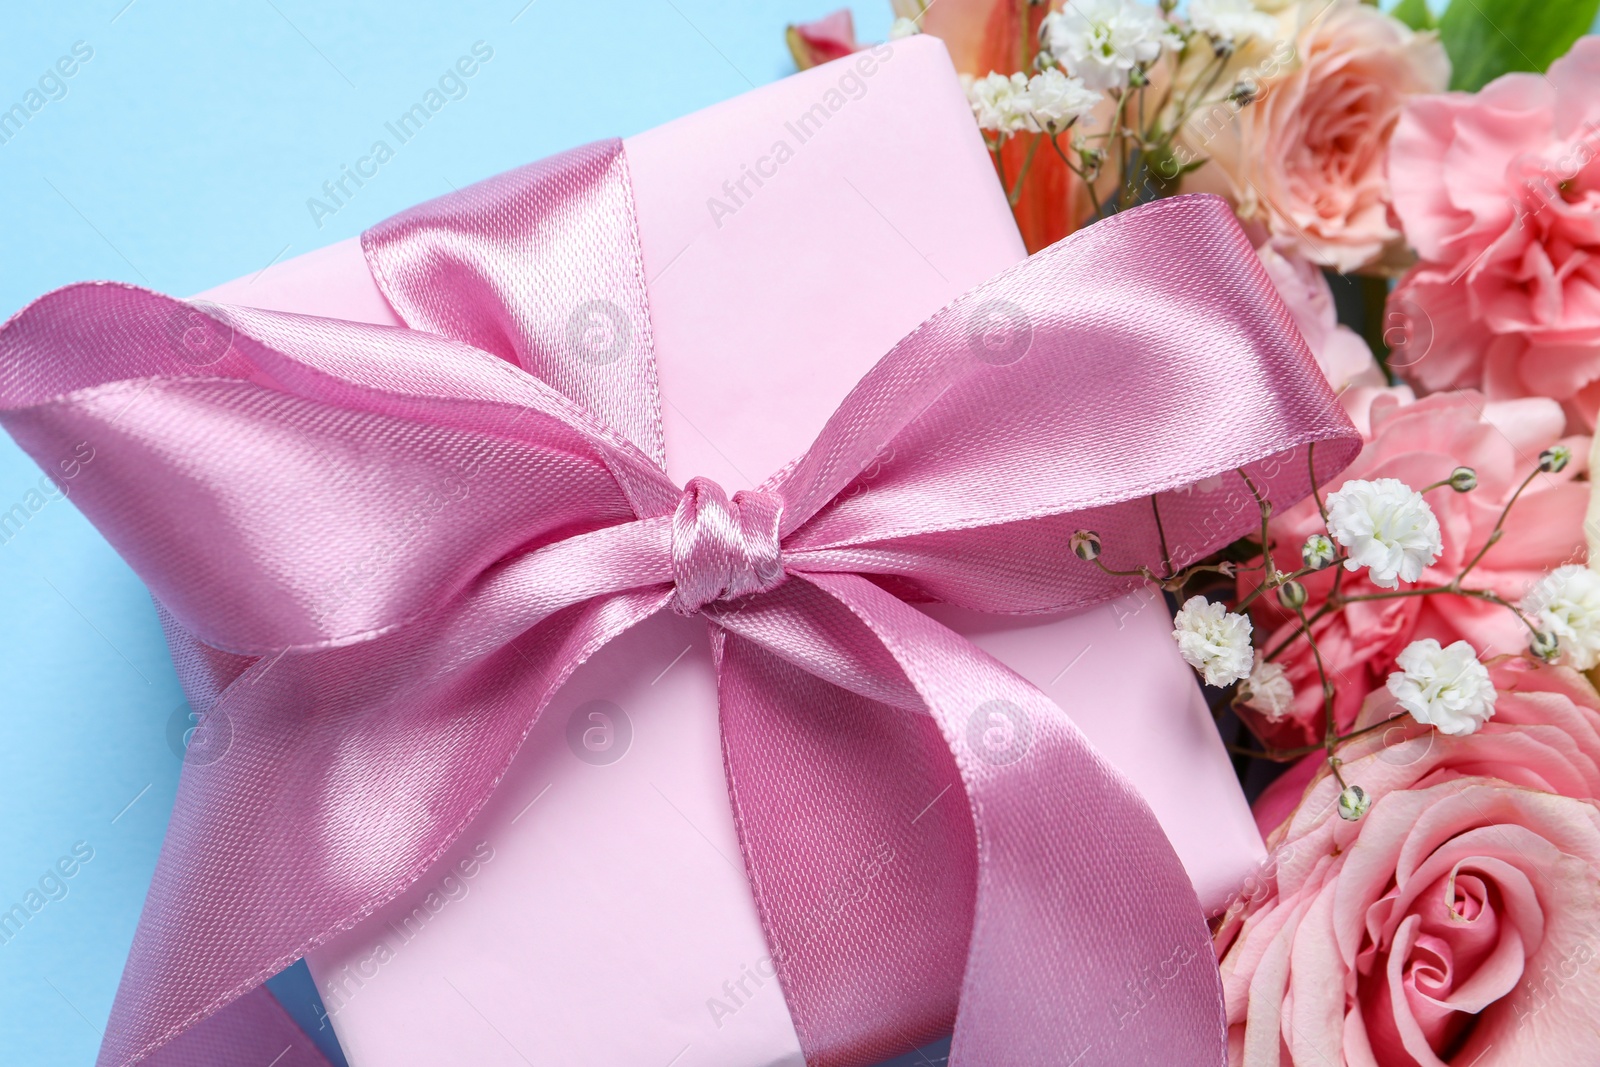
[(1411, 646)]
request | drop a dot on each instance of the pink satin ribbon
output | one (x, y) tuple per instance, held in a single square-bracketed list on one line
[(379, 552)]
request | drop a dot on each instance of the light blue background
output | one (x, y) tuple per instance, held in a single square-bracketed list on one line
[(182, 156)]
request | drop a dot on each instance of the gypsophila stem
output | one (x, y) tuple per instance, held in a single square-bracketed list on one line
[(1494, 534), (1161, 532), (1022, 175), (1316, 492)]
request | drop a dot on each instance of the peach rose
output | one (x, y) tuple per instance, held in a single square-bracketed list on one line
[(1499, 192), (1457, 922), (1421, 443), (1306, 158)]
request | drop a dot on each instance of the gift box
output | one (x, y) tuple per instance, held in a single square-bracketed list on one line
[(597, 907), (790, 237)]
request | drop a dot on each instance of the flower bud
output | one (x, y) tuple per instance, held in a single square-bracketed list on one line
[(1244, 92), (1545, 645), (1086, 545), (1353, 803), (1292, 595), (1555, 459), (1463, 479), (1317, 552)]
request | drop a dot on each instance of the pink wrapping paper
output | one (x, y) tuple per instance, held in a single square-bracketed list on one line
[(597, 912)]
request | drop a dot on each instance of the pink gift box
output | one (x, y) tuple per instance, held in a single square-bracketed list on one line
[(597, 912)]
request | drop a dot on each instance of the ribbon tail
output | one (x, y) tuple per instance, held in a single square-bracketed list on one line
[(1087, 943), (317, 789), (858, 845), (255, 1024)]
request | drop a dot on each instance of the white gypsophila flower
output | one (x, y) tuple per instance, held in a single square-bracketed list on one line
[(1445, 687), (1101, 41), (1214, 641), (1267, 690), (903, 27), (999, 102), (1385, 526), (1231, 21), (1566, 602), (1055, 101)]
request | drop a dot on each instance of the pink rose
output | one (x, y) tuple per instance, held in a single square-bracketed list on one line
[(1528, 696), (1341, 353), (1457, 922), (1306, 158), (1499, 192), (1420, 443)]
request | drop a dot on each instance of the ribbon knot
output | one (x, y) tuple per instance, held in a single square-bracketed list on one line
[(721, 548)]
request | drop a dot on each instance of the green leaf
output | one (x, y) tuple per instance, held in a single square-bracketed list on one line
[(1415, 13), (1487, 38)]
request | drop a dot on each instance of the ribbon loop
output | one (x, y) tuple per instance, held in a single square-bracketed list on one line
[(496, 265), (723, 549)]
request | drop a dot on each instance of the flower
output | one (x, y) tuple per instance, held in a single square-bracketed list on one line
[(1385, 526), (1001, 35), (1446, 688), (1341, 353), (1566, 602), (1048, 102), (830, 37), (1214, 641), (1102, 41), (1353, 802), (1554, 459), (1497, 192), (1421, 442), (1055, 101), (1085, 545), (999, 103), (1230, 21), (903, 27), (1267, 690), (1455, 918), (1306, 158), (1317, 552), (1530, 700)]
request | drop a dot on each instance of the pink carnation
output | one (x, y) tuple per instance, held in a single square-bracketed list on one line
[(1499, 192), (1421, 443), (1455, 922), (1341, 353)]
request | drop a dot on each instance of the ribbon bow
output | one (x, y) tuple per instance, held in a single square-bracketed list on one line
[(380, 551)]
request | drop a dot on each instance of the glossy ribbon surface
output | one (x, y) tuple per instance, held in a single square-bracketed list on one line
[(380, 551)]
